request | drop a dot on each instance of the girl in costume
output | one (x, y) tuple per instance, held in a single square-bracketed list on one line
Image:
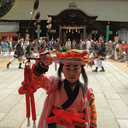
[(69, 104)]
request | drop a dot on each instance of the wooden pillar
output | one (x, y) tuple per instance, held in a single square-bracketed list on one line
[(84, 33), (64, 37), (60, 34), (81, 35)]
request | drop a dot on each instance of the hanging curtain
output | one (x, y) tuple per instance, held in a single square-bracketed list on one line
[(123, 34)]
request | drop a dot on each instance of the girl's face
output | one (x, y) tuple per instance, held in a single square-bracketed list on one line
[(71, 72), (46, 59)]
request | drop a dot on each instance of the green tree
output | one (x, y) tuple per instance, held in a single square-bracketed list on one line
[(5, 6)]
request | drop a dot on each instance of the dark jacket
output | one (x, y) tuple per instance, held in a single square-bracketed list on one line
[(19, 50), (101, 50)]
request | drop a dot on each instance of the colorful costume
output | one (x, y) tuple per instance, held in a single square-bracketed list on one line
[(4, 46), (100, 52), (19, 52), (64, 108), (56, 98)]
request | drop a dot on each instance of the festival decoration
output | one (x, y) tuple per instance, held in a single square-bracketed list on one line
[(80, 56), (35, 7), (29, 88), (72, 54), (37, 16), (66, 118)]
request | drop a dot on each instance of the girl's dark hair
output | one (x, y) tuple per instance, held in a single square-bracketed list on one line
[(84, 75), (59, 75)]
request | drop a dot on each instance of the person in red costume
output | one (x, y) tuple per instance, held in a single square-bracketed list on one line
[(69, 103)]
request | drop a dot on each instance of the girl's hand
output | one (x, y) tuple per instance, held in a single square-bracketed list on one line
[(46, 59)]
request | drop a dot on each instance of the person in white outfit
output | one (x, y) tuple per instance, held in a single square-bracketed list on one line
[(100, 52), (88, 45), (68, 45)]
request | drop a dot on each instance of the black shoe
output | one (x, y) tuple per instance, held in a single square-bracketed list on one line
[(102, 69), (96, 70), (20, 68), (8, 65)]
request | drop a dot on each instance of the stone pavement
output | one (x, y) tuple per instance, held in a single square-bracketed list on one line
[(110, 88)]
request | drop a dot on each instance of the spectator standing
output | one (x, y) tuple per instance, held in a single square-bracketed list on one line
[(88, 45), (93, 48), (116, 50), (83, 45), (0, 49), (58, 43), (9, 46), (109, 48), (127, 48), (68, 45), (80, 44), (123, 48), (51, 43), (73, 44), (4, 46)]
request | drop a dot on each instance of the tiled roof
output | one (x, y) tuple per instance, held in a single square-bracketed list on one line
[(106, 10)]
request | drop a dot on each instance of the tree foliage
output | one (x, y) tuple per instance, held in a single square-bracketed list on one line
[(5, 6)]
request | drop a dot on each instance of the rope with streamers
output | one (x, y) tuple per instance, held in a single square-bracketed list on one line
[(29, 88)]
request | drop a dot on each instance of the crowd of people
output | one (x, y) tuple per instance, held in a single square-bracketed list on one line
[(115, 50)]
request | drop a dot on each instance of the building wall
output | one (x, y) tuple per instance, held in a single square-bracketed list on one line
[(9, 27), (114, 11)]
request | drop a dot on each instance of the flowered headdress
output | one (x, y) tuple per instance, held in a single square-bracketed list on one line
[(78, 56), (71, 56), (43, 52)]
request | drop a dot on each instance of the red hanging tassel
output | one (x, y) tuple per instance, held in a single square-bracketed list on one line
[(30, 75), (33, 107), (26, 75), (32, 98), (27, 95), (27, 106), (28, 89)]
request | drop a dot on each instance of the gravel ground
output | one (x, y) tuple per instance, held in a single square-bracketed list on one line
[(5, 60)]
